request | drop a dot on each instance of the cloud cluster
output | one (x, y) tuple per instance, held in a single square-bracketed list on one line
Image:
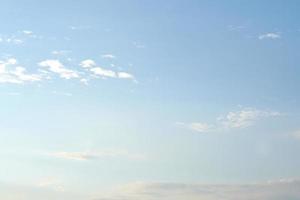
[(275, 190), (233, 120), (12, 72), (57, 67), (92, 67)]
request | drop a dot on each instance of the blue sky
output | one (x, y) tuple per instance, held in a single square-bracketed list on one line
[(149, 100)]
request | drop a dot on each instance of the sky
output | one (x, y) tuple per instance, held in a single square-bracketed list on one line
[(149, 100)]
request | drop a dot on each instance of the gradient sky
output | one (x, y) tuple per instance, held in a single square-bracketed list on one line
[(144, 100)]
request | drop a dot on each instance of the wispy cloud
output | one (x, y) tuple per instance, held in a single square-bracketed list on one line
[(46, 189), (109, 56), (273, 190), (296, 134), (240, 119), (80, 27), (197, 126), (236, 27), (245, 118), (11, 40), (84, 81), (139, 45), (272, 36), (60, 52), (51, 183), (62, 93), (19, 37), (87, 156)]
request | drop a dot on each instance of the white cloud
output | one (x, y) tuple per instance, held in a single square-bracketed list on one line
[(57, 67), (109, 56), (11, 72), (240, 119), (27, 32), (275, 190), (20, 73), (86, 156), (87, 63), (103, 72), (91, 66), (125, 75), (269, 36)]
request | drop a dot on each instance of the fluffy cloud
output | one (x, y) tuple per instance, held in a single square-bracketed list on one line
[(86, 156), (276, 190), (87, 63), (11, 72), (272, 36), (103, 72), (243, 118), (125, 75), (57, 67), (91, 66)]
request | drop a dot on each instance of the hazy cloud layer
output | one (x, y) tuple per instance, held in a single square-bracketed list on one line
[(278, 190)]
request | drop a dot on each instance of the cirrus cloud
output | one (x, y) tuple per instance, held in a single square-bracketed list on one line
[(239, 119)]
